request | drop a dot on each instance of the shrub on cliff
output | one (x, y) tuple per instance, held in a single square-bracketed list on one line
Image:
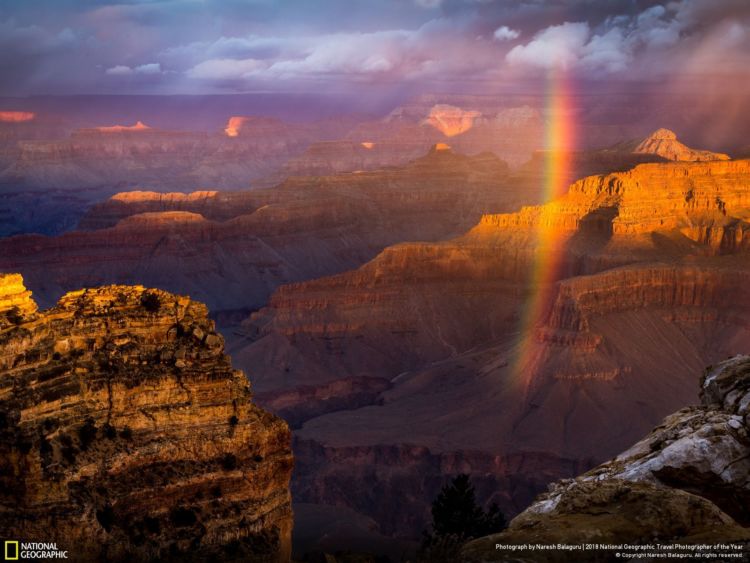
[(14, 316), (150, 302)]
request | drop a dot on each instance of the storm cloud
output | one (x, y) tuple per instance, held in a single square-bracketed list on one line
[(204, 46)]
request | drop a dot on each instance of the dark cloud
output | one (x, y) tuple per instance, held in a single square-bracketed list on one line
[(193, 46)]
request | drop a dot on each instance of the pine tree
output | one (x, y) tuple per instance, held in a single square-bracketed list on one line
[(456, 518)]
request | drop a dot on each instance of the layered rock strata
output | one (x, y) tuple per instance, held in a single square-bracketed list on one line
[(232, 249), (15, 299), (478, 352), (126, 435)]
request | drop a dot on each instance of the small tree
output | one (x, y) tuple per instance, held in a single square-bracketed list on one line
[(456, 518), (150, 301)]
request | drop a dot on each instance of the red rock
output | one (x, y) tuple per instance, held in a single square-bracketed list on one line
[(664, 143), (634, 303), (232, 249)]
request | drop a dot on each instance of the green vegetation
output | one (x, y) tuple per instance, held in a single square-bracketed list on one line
[(456, 518), (151, 301)]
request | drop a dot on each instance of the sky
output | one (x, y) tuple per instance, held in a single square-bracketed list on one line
[(232, 46)]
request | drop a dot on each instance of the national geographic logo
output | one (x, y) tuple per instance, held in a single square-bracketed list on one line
[(15, 550)]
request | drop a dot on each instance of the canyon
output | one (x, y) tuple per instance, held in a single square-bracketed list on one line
[(50, 175), (127, 435), (405, 317), (232, 249), (55, 162), (539, 342), (145, 156), (374, 282), (250, 241)]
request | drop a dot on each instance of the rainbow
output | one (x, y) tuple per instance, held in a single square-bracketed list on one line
[(560, 141)]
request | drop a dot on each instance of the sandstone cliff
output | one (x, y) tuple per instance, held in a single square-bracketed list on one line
[(15, 300), (127, 435), (698, 198), (686, 482)]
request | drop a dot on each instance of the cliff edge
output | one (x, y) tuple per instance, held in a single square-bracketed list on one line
[(125, 434), (688, 481)]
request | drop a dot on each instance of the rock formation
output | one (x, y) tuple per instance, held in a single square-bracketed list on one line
[(664, 143), (473, 125), (232, 249), (686, 482), (234, 125), (451, 120), (127, 435), (255, 126), (16, 116), (137, 128), (329, 157), (696, 198), (478, 355), (15, 300)]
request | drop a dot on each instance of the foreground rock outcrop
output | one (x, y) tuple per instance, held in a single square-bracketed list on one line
[(125, 434), (688, 481)]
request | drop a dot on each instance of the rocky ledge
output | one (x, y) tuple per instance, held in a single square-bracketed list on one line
[(125, 434), (688, 481), (15, 299)]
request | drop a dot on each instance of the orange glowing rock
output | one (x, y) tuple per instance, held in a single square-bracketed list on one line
[(442, 147), (234, 125), (368, 144), (16, 116), (664, 143), (137, 196), (451, 120), (139, 126)]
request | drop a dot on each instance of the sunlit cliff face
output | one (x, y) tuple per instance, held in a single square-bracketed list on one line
[(451, 120), (139, 126), (16, 116), (234, 125)]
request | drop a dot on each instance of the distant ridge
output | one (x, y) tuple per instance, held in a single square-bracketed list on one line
[(664, 143)]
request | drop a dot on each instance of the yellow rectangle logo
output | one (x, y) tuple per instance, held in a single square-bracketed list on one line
[(11, 551)]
